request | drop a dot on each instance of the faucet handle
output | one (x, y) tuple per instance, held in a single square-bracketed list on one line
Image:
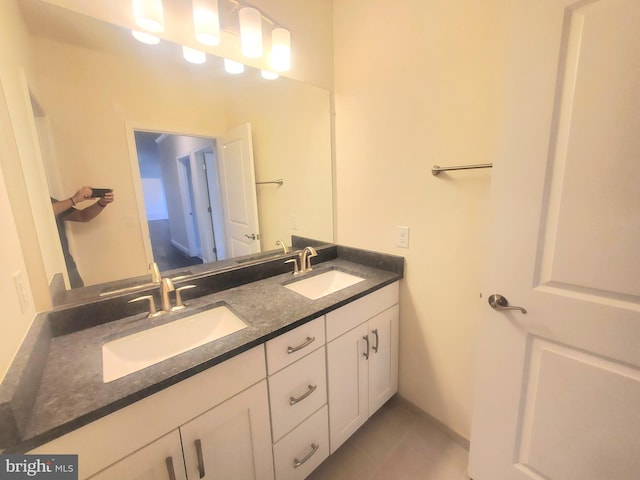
[(155, 272), (152, 305), (179, 303), (296, 270)]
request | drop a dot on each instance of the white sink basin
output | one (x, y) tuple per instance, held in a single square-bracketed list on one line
[(140, 350), (324, 284)]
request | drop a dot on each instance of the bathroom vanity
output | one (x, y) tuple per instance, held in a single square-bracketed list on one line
[(270, 400)]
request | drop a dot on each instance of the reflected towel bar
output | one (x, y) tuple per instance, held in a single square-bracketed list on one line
[(280, 182), (435, 171)]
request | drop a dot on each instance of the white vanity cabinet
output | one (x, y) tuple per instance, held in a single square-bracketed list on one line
[(160, 460), (225, 407), (275, 411), (298, 399), (362, 360), (231, 441)]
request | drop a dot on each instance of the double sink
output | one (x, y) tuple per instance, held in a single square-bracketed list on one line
[(134, 352)]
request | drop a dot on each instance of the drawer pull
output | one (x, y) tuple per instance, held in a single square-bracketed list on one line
[(314, 449), (294, 400), (308, 341), (365, 354), (200, 458), (170, 469), (375, 348)]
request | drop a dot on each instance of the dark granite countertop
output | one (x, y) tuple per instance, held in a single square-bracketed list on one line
[(71, 392)]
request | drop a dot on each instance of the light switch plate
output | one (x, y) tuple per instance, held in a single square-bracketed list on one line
[(403, 236), (21, 290)]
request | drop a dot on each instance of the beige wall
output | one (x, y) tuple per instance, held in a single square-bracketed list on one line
[(14, 320), (93, 100), (293, 144), (415, 86)]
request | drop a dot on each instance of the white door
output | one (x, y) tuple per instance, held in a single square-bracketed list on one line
[(238, 191), (202, 204), (185, 183), (558, 389)]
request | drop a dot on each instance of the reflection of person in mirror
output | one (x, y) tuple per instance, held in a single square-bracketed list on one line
[(66, 211)]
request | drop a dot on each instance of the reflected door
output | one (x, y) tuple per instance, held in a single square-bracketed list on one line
[(238, 191), (558, 388)]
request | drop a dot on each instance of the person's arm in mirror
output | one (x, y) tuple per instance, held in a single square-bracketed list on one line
[(67, 211)]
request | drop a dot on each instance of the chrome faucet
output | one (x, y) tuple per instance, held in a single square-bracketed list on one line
[(302, 263), (165, 287), (305, 259), (280, 243)]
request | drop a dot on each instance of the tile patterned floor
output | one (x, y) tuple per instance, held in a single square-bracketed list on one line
[(397, 443)]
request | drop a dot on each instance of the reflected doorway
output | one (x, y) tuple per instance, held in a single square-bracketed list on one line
[(178, 197)]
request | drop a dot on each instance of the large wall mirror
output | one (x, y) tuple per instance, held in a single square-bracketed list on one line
[(106, 104)]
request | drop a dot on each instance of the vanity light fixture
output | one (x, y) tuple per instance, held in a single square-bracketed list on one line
[(233, 67), (148, 15), (267, 75), (250, 31), (206, 21), (145, 37), (280, 49), (193, 56)]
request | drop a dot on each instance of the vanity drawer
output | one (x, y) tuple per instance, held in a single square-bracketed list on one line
[(293, 345), (301, 451), (296, 392), (353, 314)]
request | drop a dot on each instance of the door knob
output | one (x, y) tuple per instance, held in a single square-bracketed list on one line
[(253, 236), (498, 302)]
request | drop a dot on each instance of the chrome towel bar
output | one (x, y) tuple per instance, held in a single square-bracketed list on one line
[(435, 171)]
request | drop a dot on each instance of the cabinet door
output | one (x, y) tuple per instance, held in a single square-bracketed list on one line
[(157, 461), (232, 441), (383, 359), (347, 370)]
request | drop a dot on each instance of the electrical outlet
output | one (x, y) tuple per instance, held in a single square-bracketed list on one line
[(294, 222), (131, 221), (403, 237)]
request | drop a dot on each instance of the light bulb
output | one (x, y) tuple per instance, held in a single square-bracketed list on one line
[(194, 56), (206, 21), (145, 37), (250, 32), (281, 49), (148, 15), (267, 75), (233, 67)]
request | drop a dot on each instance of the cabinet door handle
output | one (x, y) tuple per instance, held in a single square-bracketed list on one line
[(170, 469), (366, 352), (375, 348), (294, 400), (314, 449), (198, 444), (307, 342)]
